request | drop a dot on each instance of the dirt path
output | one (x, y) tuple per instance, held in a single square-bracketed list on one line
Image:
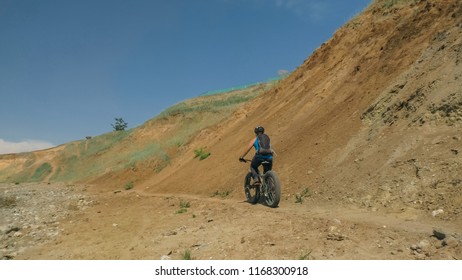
[(137, 225)]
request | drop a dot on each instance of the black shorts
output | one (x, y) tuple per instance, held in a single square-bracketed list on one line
[(256, 162)]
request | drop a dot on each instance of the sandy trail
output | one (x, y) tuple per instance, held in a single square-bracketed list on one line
[(139, 225)]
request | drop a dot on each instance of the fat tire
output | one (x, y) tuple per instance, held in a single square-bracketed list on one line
[(273, 185), (251, 194)]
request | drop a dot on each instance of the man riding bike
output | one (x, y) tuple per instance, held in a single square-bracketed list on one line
[(264, 153)]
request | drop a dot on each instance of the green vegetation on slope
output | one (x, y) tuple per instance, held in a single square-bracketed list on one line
[(143, 147), (216, 102), (42, 172)]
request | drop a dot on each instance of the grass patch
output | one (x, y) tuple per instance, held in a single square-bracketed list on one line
[(128, 186), (184, 205), (305, 256), (201, 153), (86, 158), (145, 153), (110, 152), (186, 255), (164, 162), (223, 194), (41, 172), (99, 144), (209, 105), (181, 211), (300, 197), (216, 102)]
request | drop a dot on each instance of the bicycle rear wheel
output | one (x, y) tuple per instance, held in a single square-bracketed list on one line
[(252, 194), (272, 189)]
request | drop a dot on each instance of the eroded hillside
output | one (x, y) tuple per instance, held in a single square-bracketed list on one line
[(372, 118)]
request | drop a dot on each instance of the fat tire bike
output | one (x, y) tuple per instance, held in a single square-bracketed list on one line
[(269, 188)]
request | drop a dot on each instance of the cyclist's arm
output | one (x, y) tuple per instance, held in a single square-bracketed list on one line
[(248, 148), (272, 150)]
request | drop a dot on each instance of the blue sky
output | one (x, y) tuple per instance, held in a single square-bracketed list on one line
[(69, 67)]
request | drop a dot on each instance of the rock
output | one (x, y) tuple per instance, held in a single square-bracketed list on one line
[(12, 229), (169, 233), (437, 212), (6, 257), (439, 233), (419, 256), (450, 242), (333, 229), (439, 245), (424, 245), (34, 219), (335, 237)]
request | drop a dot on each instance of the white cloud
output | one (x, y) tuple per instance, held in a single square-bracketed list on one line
[(7, 147)]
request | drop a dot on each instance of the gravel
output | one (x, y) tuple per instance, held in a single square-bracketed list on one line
[(30, 214)]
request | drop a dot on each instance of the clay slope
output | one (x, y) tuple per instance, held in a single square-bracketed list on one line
[(371, 118)]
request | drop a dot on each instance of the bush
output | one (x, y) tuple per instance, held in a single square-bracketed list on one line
[(128, 186), (201, 154), (300, 197), (184, 205), (223, 194)]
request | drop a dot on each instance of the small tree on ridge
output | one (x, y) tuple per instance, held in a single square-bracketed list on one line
[(119, 125)]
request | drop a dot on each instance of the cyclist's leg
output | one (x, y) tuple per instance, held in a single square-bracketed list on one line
[(254, 168), (268, 166)]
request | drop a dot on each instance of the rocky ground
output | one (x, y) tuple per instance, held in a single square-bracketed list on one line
[(31, 214), (59, 221)]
